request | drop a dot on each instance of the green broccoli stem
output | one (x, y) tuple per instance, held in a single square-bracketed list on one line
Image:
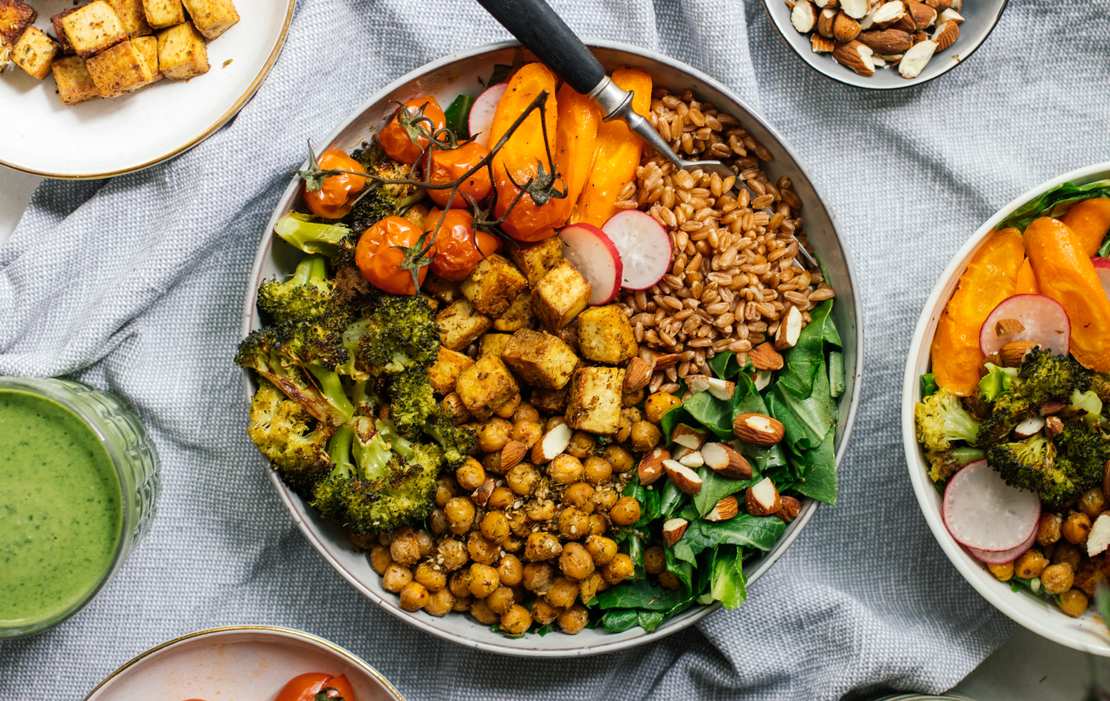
[(314, 238), (339, 450), (331, 387)]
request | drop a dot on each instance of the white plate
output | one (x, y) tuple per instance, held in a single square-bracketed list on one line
[(237, 663), (103, 138), (1086, 634)]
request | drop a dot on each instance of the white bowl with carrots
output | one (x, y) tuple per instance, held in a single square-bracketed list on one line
[(1049, 266)]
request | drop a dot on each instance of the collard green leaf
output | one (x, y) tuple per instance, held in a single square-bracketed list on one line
[(710, 412), (724, 365), (641, 595), (650, 620), (683, 571), (726, 578), (619, 620), (745, 530), (818, 477), (1055, 201), (457, 115)]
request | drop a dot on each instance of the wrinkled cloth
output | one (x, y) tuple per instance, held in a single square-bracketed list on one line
[(136, 285)]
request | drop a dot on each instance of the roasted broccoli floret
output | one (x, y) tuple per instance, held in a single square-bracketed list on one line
[(1045, 376), (293, 442), (1100, 385), (1032, 464), (380, 199), (945, 464), (997, 381), (1007, 411), (312, 237), (1086, 449), (400, 333), (456, 442), (307, 294), (411, 401), (941, 419)]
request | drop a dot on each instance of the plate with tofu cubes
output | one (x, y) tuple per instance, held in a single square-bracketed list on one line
[(100, 88)]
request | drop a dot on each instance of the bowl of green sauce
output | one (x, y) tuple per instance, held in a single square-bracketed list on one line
[(78, 484)]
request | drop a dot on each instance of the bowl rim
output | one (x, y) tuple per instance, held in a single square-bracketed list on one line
[(1056, 626), (766, 561), (846, 79)]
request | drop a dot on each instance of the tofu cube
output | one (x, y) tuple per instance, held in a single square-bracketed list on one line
[(486, 386), (517, 316), (15, 17), (148, 49), (182, 53), (73, 80), (494, 344), (605, 335), (594, 401), (493, 285), (163, 13), (459, 325), (132, 17), (540, 359), (34, 52), (445, 370), (212, 17), (59, 30), (92, 28), (119, 70), (536, 260), (560, 295)]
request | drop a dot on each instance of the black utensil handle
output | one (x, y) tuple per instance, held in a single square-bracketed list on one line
[(536, 25)]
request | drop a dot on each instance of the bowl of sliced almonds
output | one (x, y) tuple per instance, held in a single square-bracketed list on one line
[(884, 45)]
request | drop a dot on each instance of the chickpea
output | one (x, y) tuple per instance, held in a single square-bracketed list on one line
[(404, 549), (481, 550), (598, 524), (516, 621), (605, 497), (512, 545), (1088, 577), (460, 514), (654, 560), (500, 600), (562, 593), (522, 479), (437, 522), (1030, 564), (601, 549), (542, 546), (439, 603), (396, 577), (425, 542), (1048, 529), (1077, 526), (633, 398), (492, 463), (526, 412), (538, 577), (459, 584), (619, 569), (500, 498), (565, 469), (540, 510), (527, 431), (1092, 502), (1003, 571), (574, 523), (669, 581), (509, 570), (581, 445), (588, 587), (493, 435), (552, 423), (494, 526), (507, 409), (573, 620), (543, 612), (624, 429), (452, 554), (518, 523), (597, 470), (658, 404), (575, 562), (483, 580), (1067, 554), (482, 613), (445, 489), (470, 475), (379, 559), (625, 512), (581, 496), (621, 460), (462, 604), (644, 436), (1074, 603), (1057, 578), (413, 596), (430, 577)]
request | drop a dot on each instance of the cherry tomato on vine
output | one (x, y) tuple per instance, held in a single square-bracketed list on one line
[(458, 247), (389, 251), (449, 165), (306, 687), (404, 137), (333, 199), (527, 221)]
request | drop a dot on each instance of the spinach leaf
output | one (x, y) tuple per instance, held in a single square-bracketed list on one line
[(674, 417), (818, 479), (639, 595), (726, 578), (836, 374), (807, 358), (456, 117), (748, 400), (745, 530), (807, 419), (712, 413), (670, 500), (619, 620), (714, 488), (1054, 201), (724, 365), (650, 620), (683, 571), (650, 501)]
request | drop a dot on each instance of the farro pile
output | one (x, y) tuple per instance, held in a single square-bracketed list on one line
[(734, 273)]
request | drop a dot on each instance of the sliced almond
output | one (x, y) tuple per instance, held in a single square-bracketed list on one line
[(884, 41), (689, 458), (803, 16), (1008, 327), (674, 529), (1013, 352), (721, 389), (650, 468), (915, 60), (946, 35), (790, 508), (856, 9), (697, 383), (764, 356), (923, 15), (919, 37), (762, 498), (726, 461), (889, 58), (762, 379), (1030, 427), (665, 360), (844, 28), (637, 375), (685, 479), (888, 13), (554, 442), (906, 24), (825, 22), (951, 15), (758, 429), (880, 62), (790, 329), (481, 495), (688, 437), (939, 5), (511, 454), (820, 44), (1053, 426), (826, 4), (856, 57), (723, 510), (1052, 408)]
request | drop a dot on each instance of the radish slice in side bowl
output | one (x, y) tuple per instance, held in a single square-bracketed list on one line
[(644, 246), (998, 557), (594, 255), (1043, 321), (1102, 267), (983, 512), (481, 112)]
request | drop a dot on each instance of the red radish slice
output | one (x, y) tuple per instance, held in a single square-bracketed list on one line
[(1045, 323), (481, 112), (1102, 267), (644, 246), (983, 512), (997, 557), (594, 255)]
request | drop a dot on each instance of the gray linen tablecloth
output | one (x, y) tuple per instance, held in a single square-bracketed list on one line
[(136, 284)]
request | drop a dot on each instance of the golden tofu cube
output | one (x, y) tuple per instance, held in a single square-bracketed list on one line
[(594, 401), (605, 335), (493, 285), (92, 28), (560, 295), (494, 344), (131, 16), (15, 17), (34, 52), (541, 360), (517, 316), (119, 70), (459, 325), (148, 49), (163, 13), (441, 290), (445, 370), (212, 17), (182, 53), (536, 260), (486, 386), (73, 80), (59, 30)]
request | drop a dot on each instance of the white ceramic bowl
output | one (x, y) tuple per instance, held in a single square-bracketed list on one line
[(1087, 634), (981, 17)]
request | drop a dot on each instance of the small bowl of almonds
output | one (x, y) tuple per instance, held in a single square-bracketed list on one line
[(884, 44)]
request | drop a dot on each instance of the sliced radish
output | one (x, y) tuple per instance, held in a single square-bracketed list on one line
[(481, 112), (997, 557), (1102, 267), (594, 255), (1042, 320), (644, 246), (983, 512)]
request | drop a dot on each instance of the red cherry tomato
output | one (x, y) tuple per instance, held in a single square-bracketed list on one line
[(396, 139), (381, 252), (306, 686), (458, 248), (528, 222), (333, 199), (449, 165)]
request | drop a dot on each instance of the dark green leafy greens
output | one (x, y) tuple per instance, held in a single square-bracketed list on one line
[(1055, 201), (457, 116)]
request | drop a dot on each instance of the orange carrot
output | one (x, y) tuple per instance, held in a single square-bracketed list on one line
[(1026, 282), (1090, 220), (576, 141)]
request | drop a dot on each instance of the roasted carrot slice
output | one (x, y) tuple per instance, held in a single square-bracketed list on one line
[(1026, 282), (576, 142), (1090, 220)]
